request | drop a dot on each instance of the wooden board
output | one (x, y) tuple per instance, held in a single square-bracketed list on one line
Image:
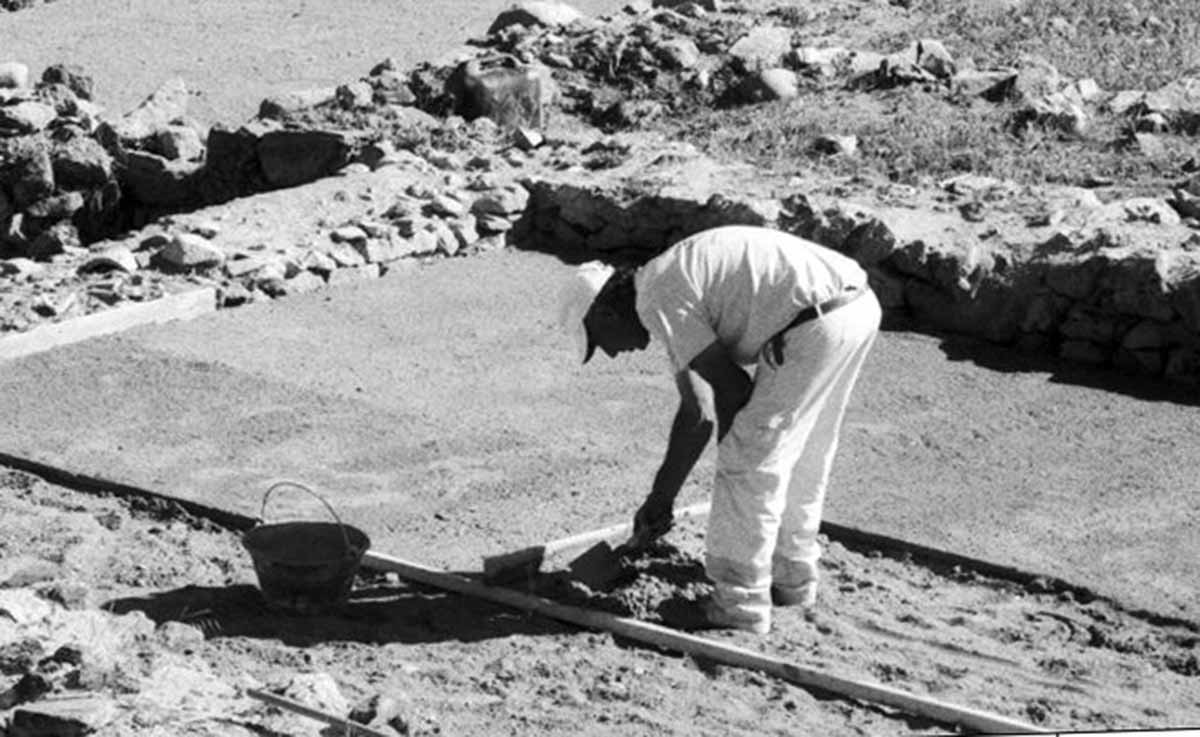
[(669, 639)]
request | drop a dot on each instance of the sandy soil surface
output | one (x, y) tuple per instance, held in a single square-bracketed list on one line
[(442, 454), (232, 54), (465, 667)]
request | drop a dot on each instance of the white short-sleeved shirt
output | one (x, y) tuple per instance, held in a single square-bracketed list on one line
[(738, 285)]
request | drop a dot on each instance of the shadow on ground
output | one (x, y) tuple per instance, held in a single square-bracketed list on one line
[(372, 615), (1006, 359)]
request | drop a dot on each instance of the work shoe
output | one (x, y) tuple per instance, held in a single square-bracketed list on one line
[(706, 614), (804, 595)]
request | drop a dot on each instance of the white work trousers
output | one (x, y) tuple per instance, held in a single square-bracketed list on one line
[(774, 463)]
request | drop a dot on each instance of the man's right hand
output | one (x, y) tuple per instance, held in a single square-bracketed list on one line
[(653, 519)]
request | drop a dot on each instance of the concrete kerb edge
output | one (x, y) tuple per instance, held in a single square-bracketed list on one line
[(850, 537), (180, 306)]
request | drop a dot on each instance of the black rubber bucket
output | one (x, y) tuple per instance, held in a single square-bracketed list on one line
[(305, 567)]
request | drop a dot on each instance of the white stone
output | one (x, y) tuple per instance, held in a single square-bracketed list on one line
[(447, 206), (544, 13), (355, 95), (527, 139), (763, 47), (14, 75), (935, 58), (680, 53), (180, 142), (119, 258), (779, 84), (344, 255), (27, 117), (348, 234), (188, 250)]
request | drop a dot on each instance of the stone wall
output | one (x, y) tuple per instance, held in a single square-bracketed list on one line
[(1112, 285)]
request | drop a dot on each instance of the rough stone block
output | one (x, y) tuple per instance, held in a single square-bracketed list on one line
[(80, 163), (188, 250), (14, 75), (154, 180), (513, 95), (26, 117), (282, 105), (536, 14), (71, 75), (64, 717), (292, 157), (166, 105)]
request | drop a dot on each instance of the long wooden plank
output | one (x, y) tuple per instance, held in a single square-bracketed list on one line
[(346, 727), (526, 560), (669, 639), (182, 306)]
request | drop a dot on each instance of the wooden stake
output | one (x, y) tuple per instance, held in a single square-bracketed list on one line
[(669, 639), (352, 729), (526, 561)]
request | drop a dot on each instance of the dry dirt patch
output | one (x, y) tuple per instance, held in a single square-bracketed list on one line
[(178, 592)]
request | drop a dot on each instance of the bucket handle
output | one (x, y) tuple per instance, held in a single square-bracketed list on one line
[(262, 515)]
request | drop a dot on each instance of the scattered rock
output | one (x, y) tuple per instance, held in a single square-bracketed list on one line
[(61, 237), (179, 637), (191, 251), (292, 157), (1179, 102), (279, 107), (535, 13), (65, 716), (836, 145), (527, 139), (447, 206), (118, 258), (56, 207), (778, 84), (348, 234), (303, 283), (156, 180), (763, 47), (14, 75), (344, 255), (355, 96), (933, 57), (179, 142), (73, 77), (166, 105), (80, 163), (678, 53), (26, 117)]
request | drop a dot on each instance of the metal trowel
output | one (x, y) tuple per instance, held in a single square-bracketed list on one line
[(601, 565)]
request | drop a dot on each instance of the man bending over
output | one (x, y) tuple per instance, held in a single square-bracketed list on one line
[(766, 334)]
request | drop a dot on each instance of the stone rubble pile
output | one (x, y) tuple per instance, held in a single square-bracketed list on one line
[(74, 670), (1045, 271), (71, 181), (464, 155), (658, 56)]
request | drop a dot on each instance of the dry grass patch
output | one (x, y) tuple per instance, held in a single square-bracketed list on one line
[(912, 135), (1122, 44)]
